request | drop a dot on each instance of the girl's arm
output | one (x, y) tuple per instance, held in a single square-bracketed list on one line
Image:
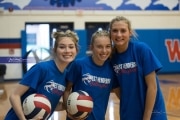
[(63, 105), (150, 95), (60, 106), (15, 100), (67, 93), (116, 91)]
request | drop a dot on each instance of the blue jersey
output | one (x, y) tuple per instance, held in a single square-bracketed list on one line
[(96, 80), (131, 67), (43, 78)]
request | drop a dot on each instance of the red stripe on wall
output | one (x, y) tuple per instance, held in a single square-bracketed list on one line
[(9, 45)]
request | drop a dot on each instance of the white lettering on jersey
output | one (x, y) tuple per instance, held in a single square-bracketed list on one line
[(53, 87)]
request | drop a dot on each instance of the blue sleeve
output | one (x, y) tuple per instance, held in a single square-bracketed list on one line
[(149, 61), (73, 72), (33, 77)]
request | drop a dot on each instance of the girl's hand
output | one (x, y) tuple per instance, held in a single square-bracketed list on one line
[(61, 106)]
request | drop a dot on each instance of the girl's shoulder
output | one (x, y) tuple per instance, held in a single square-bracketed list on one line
[(42, 63), (139, 45), (82, 60)]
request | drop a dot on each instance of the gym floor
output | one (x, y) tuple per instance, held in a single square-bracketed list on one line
[(170, 85)]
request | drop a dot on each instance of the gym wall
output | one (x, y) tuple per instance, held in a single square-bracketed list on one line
[(157, 25)]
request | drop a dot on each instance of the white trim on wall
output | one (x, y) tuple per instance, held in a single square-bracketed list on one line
[(13, 22)]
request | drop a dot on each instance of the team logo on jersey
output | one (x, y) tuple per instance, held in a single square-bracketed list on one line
[(53, 87), (125, 67), (91, 80)]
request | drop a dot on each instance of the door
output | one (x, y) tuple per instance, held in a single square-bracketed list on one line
[(39, 42)]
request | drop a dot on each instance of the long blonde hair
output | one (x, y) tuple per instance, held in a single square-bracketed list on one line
[(98, 33), (121, 18)]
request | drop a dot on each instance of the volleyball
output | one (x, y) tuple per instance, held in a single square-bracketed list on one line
[(79, 104), (36, 106)]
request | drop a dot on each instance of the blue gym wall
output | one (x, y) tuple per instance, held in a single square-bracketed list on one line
[(168, 54), (165, 43)]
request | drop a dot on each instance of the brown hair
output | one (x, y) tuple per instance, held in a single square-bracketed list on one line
[(68, 33)]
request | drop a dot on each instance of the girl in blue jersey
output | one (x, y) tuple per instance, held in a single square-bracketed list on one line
[(93, 74), (47, 78), (136, 66)]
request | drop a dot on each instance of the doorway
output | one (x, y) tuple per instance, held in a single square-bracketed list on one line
[(39, 41)]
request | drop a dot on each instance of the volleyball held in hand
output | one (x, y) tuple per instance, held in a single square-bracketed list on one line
[(36, 106), (79, 104)]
